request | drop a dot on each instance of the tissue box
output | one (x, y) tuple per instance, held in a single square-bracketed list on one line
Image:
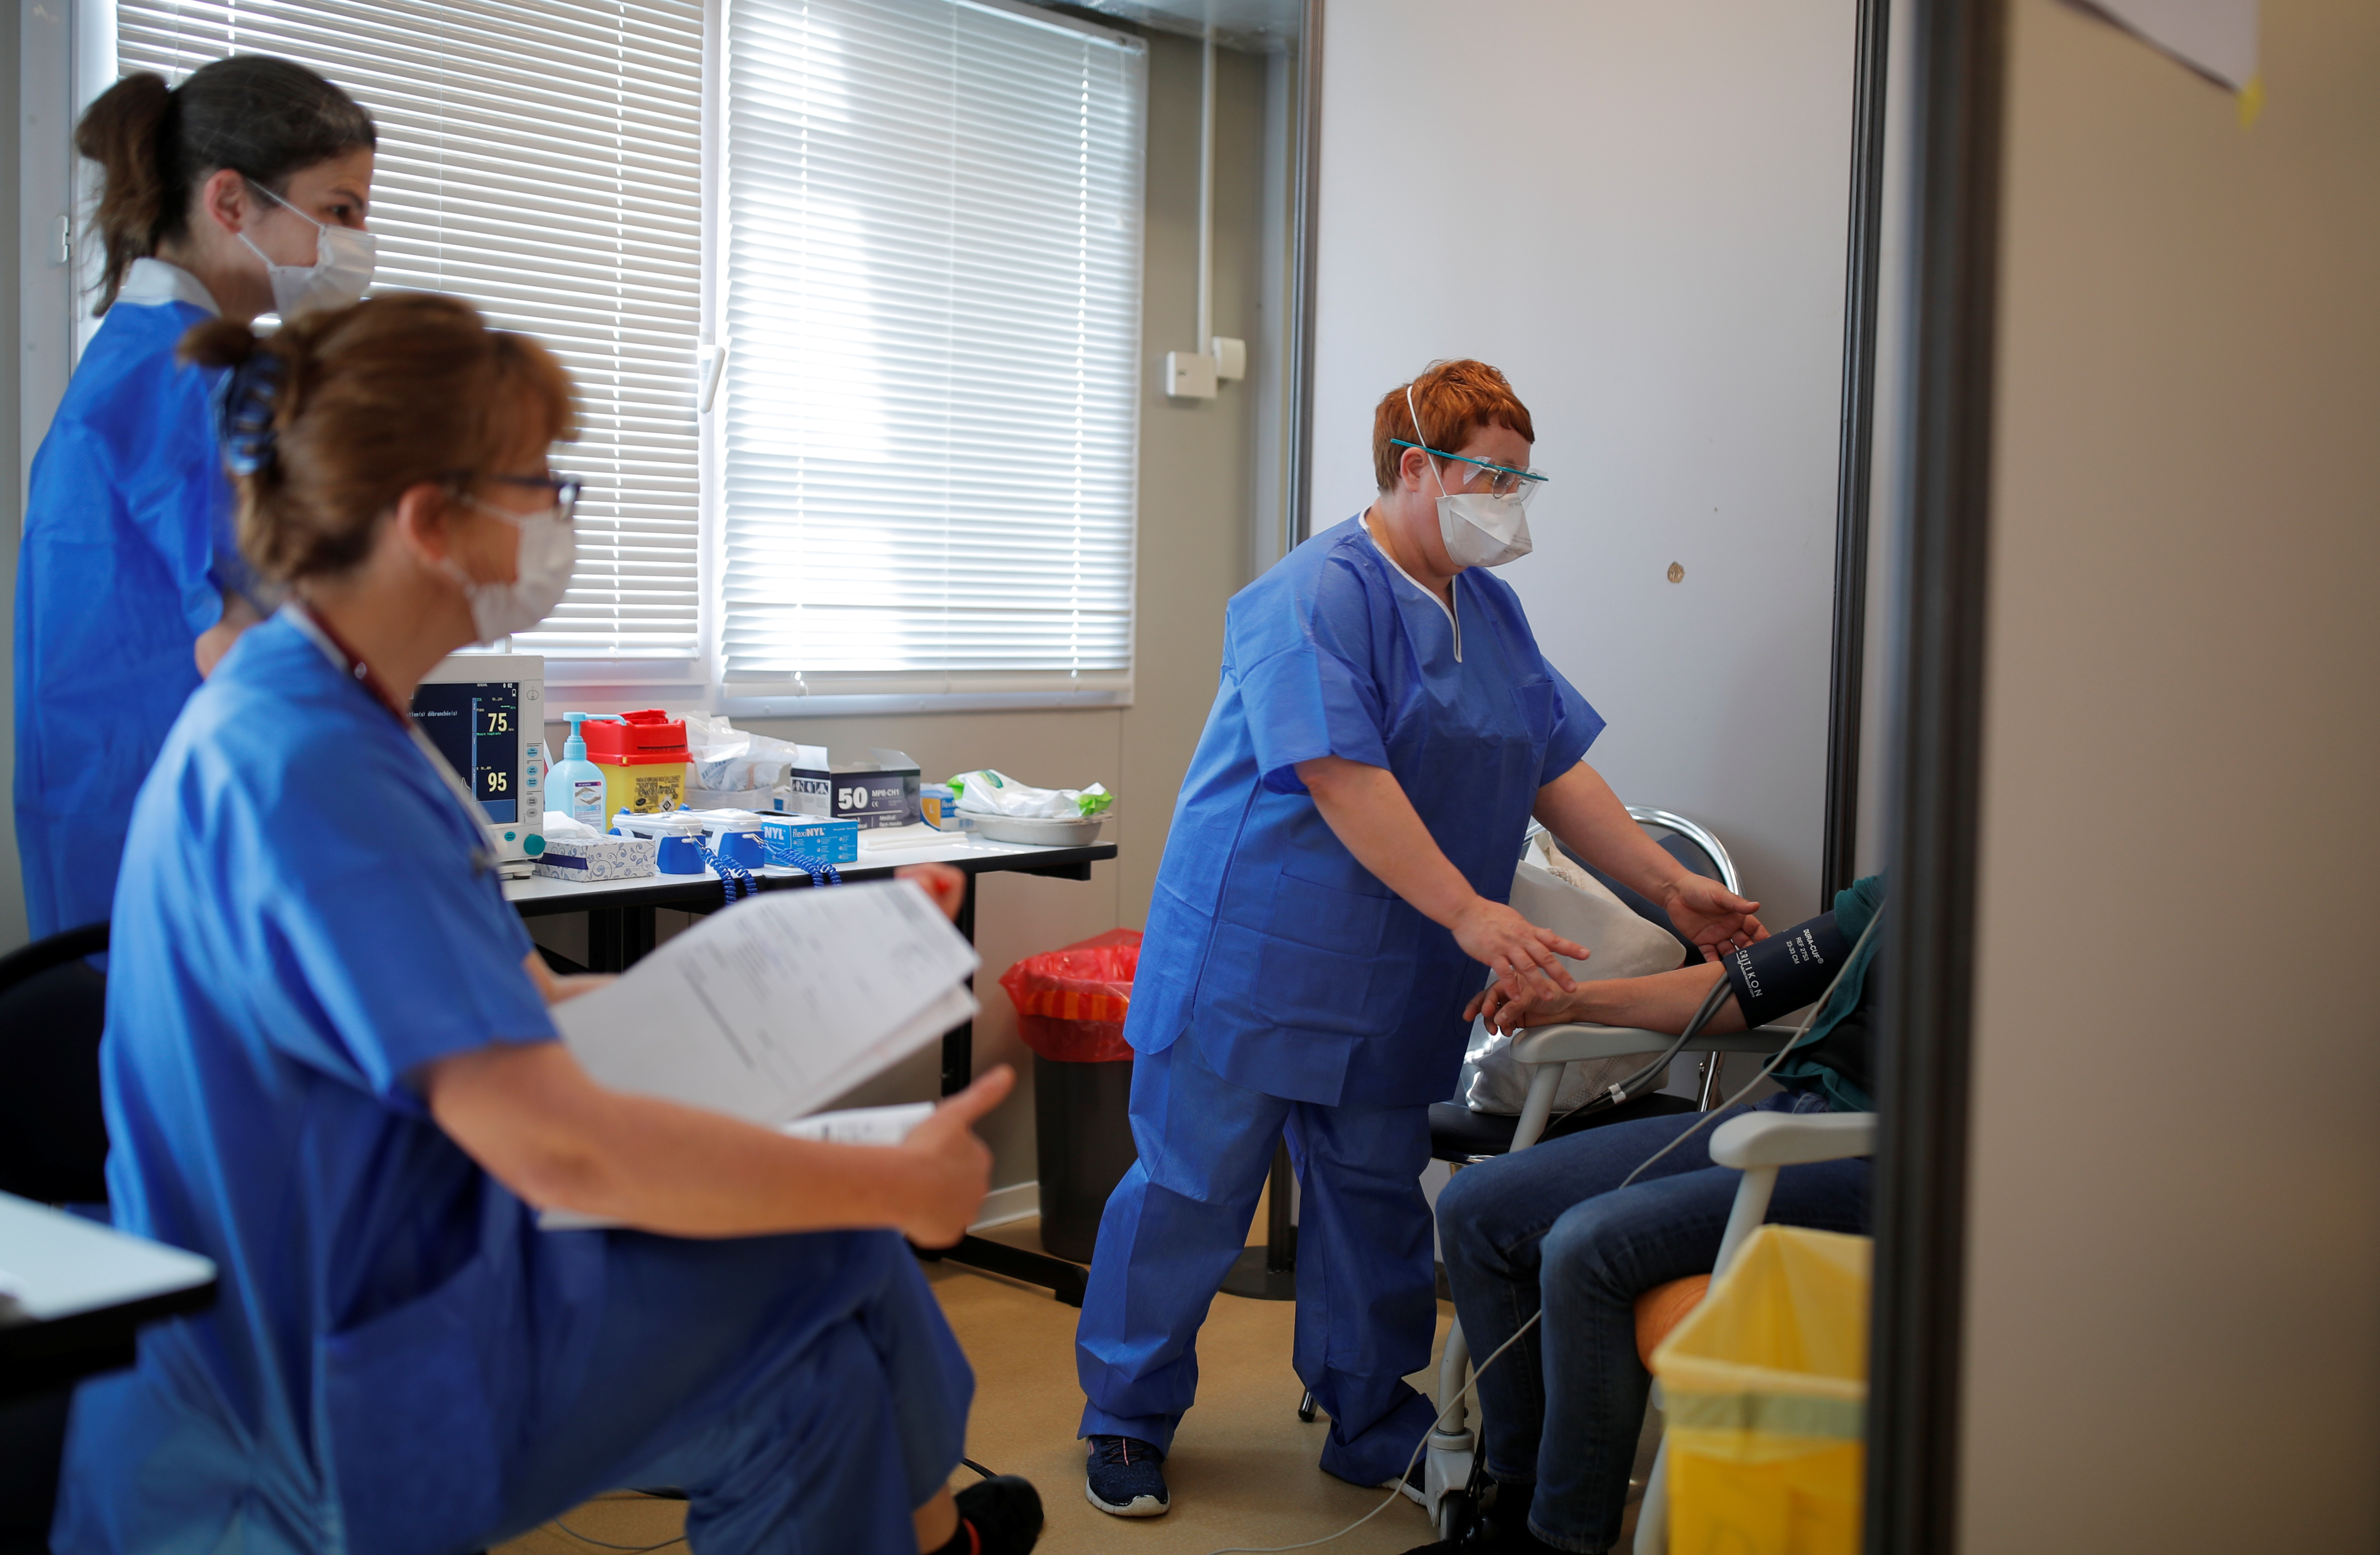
[(595, 858), (828, 841)]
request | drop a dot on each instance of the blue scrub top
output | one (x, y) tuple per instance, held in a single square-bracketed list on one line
[(1303, 976), (127, 544), (301, 927)]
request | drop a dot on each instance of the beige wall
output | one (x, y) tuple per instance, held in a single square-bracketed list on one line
[(1197, 473), (2174, 1297)]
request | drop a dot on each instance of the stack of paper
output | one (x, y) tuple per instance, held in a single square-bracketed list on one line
[(772, 1008)]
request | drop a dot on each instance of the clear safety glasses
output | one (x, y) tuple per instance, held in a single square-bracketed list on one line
[(565, 494), (1482, 477)]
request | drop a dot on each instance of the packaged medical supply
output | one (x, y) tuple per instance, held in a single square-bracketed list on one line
[(737, 769), (796, 842), (576, 782), (991, 792), (879, 791), (593, 857), (737, 835), (938, 805), (644, 761)]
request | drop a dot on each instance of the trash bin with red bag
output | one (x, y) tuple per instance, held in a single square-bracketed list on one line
[(1069, 1009)]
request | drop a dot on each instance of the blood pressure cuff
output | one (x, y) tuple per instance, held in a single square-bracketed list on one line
[(1786, 971)]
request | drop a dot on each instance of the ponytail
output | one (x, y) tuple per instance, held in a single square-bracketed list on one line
[(260, 117), (124, 132), (329, 419)]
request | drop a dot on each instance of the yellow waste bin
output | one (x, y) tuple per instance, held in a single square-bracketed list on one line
[(1764, 1398)]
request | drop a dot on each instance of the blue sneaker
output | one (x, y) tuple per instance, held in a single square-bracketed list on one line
[(1124, 1478)]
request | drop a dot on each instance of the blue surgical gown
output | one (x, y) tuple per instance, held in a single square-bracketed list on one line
[(127, 553), (1305, 976)]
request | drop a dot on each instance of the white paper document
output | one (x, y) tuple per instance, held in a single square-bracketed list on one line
[(2215, 36), (770, 1009)]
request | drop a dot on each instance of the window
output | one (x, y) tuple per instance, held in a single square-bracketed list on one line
[(932, 316), (544, 158)]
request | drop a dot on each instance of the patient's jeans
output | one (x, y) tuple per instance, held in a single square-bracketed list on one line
[(1545, 1227)]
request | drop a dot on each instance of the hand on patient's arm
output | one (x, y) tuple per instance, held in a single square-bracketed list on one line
[(1367, 809), (1664, 1002), (540, 1125), (1581, 809), (237, 616)]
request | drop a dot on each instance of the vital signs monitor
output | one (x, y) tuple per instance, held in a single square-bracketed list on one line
[(486, 715)]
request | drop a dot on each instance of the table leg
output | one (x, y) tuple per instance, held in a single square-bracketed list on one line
[(1269, 1272), (617, 938), (1062, 1279)]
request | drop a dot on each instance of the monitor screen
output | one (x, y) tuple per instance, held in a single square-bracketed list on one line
[(476, 725)]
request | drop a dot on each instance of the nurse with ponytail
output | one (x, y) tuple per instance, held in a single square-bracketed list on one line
[(241, 192)]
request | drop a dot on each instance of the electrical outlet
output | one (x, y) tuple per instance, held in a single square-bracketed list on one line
[(1189, 375)]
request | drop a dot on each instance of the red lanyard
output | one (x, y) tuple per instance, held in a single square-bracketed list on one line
[(355, 666)]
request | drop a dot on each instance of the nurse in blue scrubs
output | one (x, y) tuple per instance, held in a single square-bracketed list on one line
[(242, 191), (1335, 878), (329, 1067)]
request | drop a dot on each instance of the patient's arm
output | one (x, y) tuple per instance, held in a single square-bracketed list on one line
[(1664, 1002)]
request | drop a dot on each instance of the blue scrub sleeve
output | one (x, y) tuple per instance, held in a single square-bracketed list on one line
[(405, 951), (181, 502), (1305, 701), (1576, 726)]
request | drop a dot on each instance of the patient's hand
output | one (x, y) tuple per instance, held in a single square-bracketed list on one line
[(1711, 916), (1536, 1003)]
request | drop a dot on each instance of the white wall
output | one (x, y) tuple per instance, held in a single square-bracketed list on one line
[(1635, 208), (2173, 1309)]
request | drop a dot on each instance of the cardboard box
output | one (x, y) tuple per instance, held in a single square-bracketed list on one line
[(879, 791)]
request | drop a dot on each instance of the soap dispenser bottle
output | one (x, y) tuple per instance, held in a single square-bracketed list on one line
[(578, 782)]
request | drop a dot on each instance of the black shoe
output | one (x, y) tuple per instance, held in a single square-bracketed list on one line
[(1004, 1510), (1123, 1477)]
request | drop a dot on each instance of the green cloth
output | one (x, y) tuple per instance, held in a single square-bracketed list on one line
[(1855, 908)]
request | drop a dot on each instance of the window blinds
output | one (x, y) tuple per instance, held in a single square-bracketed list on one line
[(933, 322), (544, 160)]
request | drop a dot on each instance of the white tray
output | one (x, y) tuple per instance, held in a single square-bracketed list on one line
[(1038, 830)]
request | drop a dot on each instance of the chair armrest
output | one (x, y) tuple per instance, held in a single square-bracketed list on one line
[(1792, 1138), (1561, 1044)]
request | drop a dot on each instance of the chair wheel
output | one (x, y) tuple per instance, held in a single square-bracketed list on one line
[(1305, 1408), (1456, 1515)]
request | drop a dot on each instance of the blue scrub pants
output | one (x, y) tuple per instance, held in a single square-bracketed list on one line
[(805, 1391), (1367, 1283)]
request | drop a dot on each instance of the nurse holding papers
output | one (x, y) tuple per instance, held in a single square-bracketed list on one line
[(330, 1066), (1335, 877)]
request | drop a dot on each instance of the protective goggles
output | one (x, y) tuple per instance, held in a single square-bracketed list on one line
[(566, 493), (1501, 479)]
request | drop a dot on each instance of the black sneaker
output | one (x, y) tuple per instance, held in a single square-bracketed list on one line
[(1005, 1511), (1124, 1478)]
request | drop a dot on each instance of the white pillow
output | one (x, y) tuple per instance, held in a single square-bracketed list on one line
[(1553, 893)]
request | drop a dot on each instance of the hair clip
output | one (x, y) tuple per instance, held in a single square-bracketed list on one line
[(244, 403)]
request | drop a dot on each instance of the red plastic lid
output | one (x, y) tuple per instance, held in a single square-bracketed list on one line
[(646, 738)]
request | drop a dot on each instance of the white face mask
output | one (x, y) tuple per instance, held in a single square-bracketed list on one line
[(549, 553), (1481, 529), (342, 267)]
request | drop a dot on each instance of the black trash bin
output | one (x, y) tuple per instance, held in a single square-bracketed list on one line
[(1070, 1010)]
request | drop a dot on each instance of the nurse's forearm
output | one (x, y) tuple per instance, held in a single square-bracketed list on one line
[(535, 1120), (1580, 808), (1366, 809)]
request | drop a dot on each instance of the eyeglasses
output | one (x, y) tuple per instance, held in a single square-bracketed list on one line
[(1501, 479), (566, 493)]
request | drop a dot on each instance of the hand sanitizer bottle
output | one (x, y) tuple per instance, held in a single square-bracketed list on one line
[(577, 783)]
